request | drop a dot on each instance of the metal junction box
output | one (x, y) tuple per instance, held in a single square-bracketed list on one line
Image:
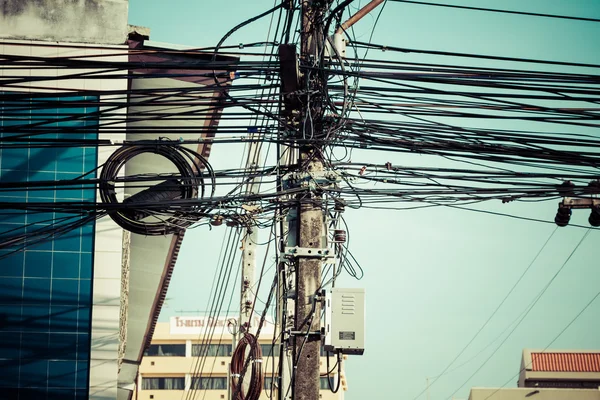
[(345, 321)]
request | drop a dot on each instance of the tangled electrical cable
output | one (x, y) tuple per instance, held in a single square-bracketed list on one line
[(338, 364), (238, 361), (133, 211)]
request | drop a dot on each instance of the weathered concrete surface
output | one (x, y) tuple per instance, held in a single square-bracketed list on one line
[(87, 21)]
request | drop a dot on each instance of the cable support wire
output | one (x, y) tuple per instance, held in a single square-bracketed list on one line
[(220, 286)]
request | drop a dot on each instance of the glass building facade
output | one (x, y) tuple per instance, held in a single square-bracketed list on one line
[(45, 285)]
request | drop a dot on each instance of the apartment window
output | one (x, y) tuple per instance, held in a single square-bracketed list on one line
[(268, 384), (167, 350), (324, 385), (163, 383), (209, 383), (211, 350), (270, 350)]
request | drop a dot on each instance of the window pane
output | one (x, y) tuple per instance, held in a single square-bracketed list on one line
[(209, 383), (211, 350), (270, 350), (150, 383), (167, 350), (324, 385), (163, 383), (268, 385)]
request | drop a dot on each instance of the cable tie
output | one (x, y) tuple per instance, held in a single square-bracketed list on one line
[(258, 360), (235, 375)]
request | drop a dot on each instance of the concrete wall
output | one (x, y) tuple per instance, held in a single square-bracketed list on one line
[(108, 240), (83, 21)]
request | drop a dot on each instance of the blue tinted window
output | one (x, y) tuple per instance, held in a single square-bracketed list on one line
[(46, 290)]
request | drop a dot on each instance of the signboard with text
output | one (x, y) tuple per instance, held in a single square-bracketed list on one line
[(203, 325)]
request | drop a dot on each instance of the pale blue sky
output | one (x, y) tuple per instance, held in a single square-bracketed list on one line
[(432, 276)]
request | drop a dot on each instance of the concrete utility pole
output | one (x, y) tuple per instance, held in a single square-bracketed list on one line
[(249, 242), (311, 232), (248, 256), (305, 248)]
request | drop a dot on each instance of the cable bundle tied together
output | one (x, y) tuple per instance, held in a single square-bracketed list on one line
[(239, 364), (157, 201)]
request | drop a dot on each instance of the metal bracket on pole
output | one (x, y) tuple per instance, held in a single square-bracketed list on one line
[(307, 252), (571, 202)]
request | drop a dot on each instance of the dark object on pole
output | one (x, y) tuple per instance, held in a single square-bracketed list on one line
[(594, 218), (339, 236), (566, 188), (563, 216), (593, 187)]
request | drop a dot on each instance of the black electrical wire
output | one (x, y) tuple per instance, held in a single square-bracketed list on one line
[(499, 11), (191, 184)]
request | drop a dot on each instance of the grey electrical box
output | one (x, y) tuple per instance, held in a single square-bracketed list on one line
[(345, 321)]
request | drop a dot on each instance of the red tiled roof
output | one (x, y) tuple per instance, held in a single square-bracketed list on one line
[(565, 362)]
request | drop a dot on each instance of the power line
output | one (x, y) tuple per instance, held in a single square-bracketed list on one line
[(537, 298), (500, 11), (461, 352), (589, 303)]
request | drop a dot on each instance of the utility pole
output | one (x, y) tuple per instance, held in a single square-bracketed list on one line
[(248, 256), (300, 274), (311, 232), (249, 241), (303, 97)]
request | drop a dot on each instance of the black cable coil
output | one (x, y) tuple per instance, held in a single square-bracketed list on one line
[(162, 201), (239, 364)]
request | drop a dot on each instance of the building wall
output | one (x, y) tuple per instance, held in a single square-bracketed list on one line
[(87, 21), (156, 108), (59, 305), (186, 366), (46, 296)]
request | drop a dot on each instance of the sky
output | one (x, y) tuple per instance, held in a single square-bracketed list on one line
[(432, 276)]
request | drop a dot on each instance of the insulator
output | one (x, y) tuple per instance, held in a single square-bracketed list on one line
[(339, 236), (594, 219), (563, 216)]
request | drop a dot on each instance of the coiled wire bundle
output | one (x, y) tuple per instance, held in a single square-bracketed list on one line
[(157, 210), (239, 366)]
